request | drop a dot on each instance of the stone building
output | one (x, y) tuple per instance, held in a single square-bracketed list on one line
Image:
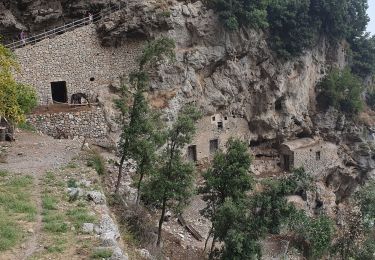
[(212, 134), (314, 155), (74, 62)]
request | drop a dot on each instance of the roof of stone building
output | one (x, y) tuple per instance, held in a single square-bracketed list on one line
[(301, 143)]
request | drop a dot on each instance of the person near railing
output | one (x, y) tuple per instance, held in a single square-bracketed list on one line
[(91, 18), (23, 37)]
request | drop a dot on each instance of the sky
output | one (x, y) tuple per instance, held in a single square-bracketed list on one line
[(371, 13)]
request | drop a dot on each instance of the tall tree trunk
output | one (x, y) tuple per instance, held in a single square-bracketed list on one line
[(139, 187), (211, 256), (208, 237), (119, 176), (161, 222)]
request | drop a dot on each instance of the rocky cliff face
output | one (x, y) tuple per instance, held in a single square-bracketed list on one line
[(235, 73), (37, 16)]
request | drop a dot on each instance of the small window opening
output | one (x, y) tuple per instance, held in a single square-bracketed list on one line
[(59, 91), (225, 118), (214, 146), (317, 155), (192, 153), (213, 118), (287, 162), (220, 125), (279, 104), (92, 79)]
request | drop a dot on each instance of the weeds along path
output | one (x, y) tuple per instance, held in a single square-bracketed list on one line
[(34, 154)]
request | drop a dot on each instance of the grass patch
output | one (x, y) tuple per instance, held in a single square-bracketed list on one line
[(3, 173), (49, 177), (72, 183), (80, 215), (10, 232), (101, 253), (15, 197), (49, 203), (97, 162), (72, 165), (27, 127), (58, 246), (54, 222)]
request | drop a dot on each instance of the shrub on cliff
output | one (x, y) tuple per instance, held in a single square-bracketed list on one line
[(342, 90), (293, 25)]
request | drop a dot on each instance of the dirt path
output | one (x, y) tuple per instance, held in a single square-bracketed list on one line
[(34, 155)]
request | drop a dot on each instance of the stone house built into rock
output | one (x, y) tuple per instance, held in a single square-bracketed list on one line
[(212, 134), (74, 62), (314, 155)]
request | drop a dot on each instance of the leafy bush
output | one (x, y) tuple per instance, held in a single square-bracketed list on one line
[(236, 13), (26, 97), (295, 25), (314, 235), (292, 29), (363, 55), (342, 90), (97, 162)]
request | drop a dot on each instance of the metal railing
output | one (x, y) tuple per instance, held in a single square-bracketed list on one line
[(65, 28)]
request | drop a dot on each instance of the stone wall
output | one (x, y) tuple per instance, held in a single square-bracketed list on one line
[(208, 129), (315, 158), (77, 58), (86, 123)]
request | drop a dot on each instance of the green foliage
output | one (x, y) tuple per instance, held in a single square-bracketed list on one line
[(232, 226), (97, 162), (80, 215), (295, 25), (236, 13), (363, 55), (101, 254), (171, 184), (15, 99), (26, 126), (49, 202), (342, 90), (157, 50), (228, 177), (140, 136), (366, 199), (292, 29), (26, 97), (72, 183), (10, 233), (313, 234), (367, 250), (173, 180)]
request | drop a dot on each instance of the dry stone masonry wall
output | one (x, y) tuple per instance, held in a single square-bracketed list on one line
[(90, 123), (77, 58)]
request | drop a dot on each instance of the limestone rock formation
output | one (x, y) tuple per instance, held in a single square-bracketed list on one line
[(37, 16)]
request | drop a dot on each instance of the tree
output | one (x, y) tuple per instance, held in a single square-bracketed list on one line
[(233, 227), (236, 13), (15, 99), (363, 55), (366, 200), (140, 130), (227, 178), (342, 90), (171, 183), (314, 235), (292, 29)]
